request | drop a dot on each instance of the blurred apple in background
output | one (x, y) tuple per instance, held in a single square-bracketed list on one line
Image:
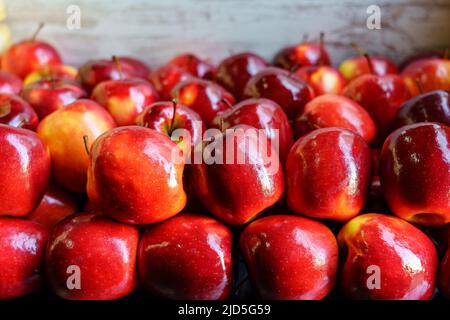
[(135, 175), (124, 99), (29, 55), (234, 72), (328, 173), (332, 110), (56, 204), (141, 70), (204, 97), (10, 83), (16, 112), (195, 262), (290, 258), (69, 133), (281, 86), (194, 65), (260, 114), (165, 78), (100, 251), (421, 56), (323, 79), (24, 170), (386, 258), (47, 96), (59, 71), (431, 74), (21, 257), (415, 173)]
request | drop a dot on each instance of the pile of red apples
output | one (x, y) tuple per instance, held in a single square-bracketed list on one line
[(92, 204)]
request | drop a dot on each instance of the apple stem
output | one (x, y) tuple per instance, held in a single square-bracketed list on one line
[(39, 28), (227, 103), (369, 63), (358, 49), (174, 110), (86, 144), (419, 85), (118, 65), (294, 68), (22, 123), (322, 47), (221, 124)]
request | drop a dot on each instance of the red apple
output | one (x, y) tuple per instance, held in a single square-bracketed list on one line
[(194, 65), (354, 67), (415, 173), (16, 112), (205, 97), (431, 106), (68, 133), (290, 258), (100, 252), (59, 71), (166, 117), (21, 257), (432, 74), (303, 54), (29, 55), (141, 70), (135, 175), (24, 170), (56, 204), (234, 72), (281, 86), (386, 259), (10, 83), (323, 79), (331, 110), (420, 56), (328, 173), (47, 96), (239, 176), (381, 96), (166, 78), (187, 258), (124, 99), (261, 114)]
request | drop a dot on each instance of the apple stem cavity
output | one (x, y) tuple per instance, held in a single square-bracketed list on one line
[(36, 32), (86, 144), (118, 65)]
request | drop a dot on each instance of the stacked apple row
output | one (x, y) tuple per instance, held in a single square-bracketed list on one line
[(368, 138)]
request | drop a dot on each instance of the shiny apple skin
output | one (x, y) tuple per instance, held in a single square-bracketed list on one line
[(323, 79), (125, 99), (261, 114), (354, 67), (303, 54), (27, 56), (238, 192), (290, 258), (286, 89), (234, 72), (63, 132), (328, 173), (332, 110), (431, 106), (165, 78), (203, 96), (158, 116), (56, 204), (47, 96), (194, 65), (420, 56), (141, 70), (444, 275), (10, 83), (24, 170), (105, 252), (187, 257), (381, 96), (21, 257), (415, 173), (93, 72), (433, 74), (406, 258), (59, 71), (133, 176), (16, 112)]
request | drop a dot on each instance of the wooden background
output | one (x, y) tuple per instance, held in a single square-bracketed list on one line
[(155, 30)]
